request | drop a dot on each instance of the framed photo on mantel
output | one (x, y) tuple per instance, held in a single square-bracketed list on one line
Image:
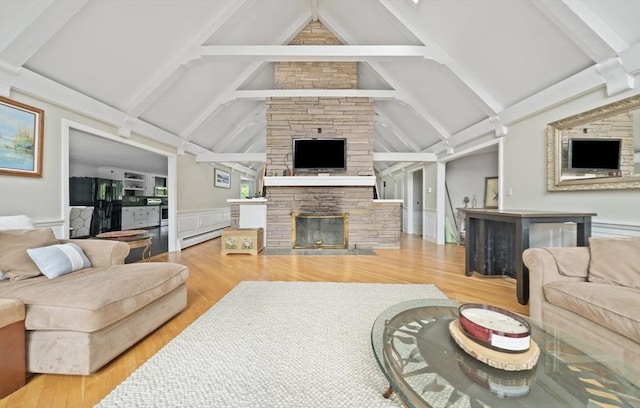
[(21, 134), (491, 192)]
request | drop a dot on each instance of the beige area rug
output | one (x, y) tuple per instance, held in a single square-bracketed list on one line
[(274, 344)]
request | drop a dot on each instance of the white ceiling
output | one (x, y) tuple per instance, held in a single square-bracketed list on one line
[(446, 76), (96, 151)]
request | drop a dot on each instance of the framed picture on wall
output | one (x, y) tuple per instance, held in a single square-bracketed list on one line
[(491, 192), (21, 134), (221, 178)]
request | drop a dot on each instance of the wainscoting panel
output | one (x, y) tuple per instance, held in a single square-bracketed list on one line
[(615, 229), (198, 226), (429, 230)]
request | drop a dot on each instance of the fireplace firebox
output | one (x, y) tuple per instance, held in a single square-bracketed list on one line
[(320, 230)]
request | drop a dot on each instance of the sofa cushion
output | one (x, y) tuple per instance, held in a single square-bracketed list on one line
[(91, 299), (612, 306), (615, 261), (571, 261), (59, 259), (14, 260)]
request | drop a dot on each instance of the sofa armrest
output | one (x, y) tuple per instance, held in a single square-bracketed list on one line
[(11, 311), (548, 265), (102, 252)]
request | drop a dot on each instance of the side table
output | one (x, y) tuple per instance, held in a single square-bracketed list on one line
[(242, 241), (12, 346), (133, 238), (496, 240)]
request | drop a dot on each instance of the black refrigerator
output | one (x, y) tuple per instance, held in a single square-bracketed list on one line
[(104, 195)]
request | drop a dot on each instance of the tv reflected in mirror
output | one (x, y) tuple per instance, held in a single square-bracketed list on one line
[(594, 155)]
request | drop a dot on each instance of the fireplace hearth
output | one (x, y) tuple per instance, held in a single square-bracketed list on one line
[(320, 230)]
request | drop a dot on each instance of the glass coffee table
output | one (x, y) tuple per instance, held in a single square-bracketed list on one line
[(426, 368)]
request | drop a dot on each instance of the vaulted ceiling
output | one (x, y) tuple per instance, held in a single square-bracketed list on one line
[(446, 77)]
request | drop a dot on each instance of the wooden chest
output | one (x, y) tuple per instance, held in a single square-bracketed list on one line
[(242, 241)]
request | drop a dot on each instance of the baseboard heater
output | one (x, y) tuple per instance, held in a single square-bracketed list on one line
[(186, 242)]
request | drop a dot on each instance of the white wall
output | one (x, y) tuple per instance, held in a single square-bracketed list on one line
[(195, 187), (42, 199), (525, 170), (83, 170), (465, 177)]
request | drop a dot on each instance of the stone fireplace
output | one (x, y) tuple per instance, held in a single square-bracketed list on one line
[(370, 223), (318, 230)]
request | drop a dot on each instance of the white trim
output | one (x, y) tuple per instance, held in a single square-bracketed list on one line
[(198, 226), (263, 94), (60, 227), (441, 178), (387, 201), (231, 157), (246, 200), (320, 181), (404, 157), (304, 53), (601, 228)]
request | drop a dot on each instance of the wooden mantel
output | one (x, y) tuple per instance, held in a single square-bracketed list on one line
[(337, 181)]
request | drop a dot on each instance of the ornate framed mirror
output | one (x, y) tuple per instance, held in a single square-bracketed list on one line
[(616, 125)]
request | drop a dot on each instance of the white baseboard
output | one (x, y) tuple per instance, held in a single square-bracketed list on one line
[(198, 226), (197, 239)]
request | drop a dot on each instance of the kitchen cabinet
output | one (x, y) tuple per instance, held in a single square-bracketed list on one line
[(153, 216), (156, 185), (140, 217), (134, 182), (128, 220)]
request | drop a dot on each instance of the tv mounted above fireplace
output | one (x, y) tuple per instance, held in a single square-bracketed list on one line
[(319, 153)]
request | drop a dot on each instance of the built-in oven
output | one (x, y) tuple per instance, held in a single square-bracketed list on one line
[(164, 212), (157, 201), (164, 215)]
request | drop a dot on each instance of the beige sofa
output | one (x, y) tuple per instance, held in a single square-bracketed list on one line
[(78, 322), (593, 293)]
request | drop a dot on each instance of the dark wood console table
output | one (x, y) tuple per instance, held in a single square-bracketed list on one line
[(495, 240)]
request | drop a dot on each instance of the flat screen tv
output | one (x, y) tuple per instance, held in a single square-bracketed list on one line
[(319, 153), (594, 155)]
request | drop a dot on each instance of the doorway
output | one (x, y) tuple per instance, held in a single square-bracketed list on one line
[(124, 145), (415, 200)]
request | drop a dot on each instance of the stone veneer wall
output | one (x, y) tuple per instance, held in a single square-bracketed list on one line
[(316, 75), (615, 127), (371, 225), (352, 118)]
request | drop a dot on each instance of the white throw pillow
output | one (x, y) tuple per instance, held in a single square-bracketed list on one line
[(60, 259)]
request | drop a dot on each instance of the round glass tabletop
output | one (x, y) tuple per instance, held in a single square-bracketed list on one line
[(424, 365)]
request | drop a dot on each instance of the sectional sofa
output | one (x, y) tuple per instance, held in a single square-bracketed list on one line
[(78, 321)]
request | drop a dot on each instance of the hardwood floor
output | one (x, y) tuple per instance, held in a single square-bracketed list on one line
[(211, 276)]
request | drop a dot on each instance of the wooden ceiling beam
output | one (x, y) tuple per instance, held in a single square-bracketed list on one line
[(329, 53)]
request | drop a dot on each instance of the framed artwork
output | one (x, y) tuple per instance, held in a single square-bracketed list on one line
[(490, 192), (21, 134), (221, 178)]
